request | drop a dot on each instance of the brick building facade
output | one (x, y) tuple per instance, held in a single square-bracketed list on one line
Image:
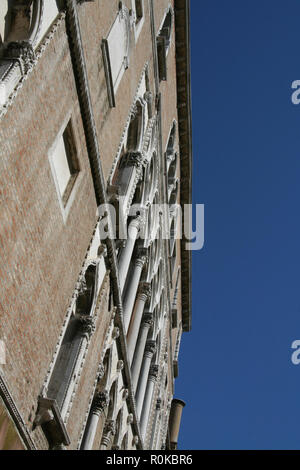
[(95, 144)]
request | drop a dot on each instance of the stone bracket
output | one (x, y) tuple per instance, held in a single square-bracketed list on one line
[(48, 416)]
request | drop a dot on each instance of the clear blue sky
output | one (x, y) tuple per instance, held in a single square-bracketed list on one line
[(235, 371)]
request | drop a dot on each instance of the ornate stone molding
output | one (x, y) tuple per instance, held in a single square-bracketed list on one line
[(22, 51), (30, 65), (132, 159)]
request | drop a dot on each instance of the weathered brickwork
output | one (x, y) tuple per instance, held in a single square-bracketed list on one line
[(44, 248)]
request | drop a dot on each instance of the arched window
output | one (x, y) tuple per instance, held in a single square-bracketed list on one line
[(26, 20), (166, 29), (79, 329), (163, 44), (174, 195), (136, 129)]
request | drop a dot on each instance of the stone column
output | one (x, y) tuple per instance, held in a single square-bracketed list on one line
[(156, 416), (125, 258), (134, 327), (100, 403), (108, 434), (147, 322), (133, 285), (142, 384), (153, 373)]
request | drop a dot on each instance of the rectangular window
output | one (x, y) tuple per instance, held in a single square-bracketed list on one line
[(115, 50), (64, 164)]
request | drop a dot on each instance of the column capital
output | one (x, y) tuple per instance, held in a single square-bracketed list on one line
[(150, 348), (110, 427), (100, 402), (153, 373), (136, 222), (147, 320), (144, 291), (22, 50), (132, 159), (87, 325), (140, 256)]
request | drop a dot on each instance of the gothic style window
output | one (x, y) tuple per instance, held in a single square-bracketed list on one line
[(64, 163), (23, 23), (79, 328), (136, 129), (163, 44), (115, 49)]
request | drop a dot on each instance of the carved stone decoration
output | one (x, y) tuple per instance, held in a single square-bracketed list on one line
[(147, 319), (130, 418), (100, 402), (148, 97), (135, 440), (108, 432), (120, 366), (102, 251), (101, 372), (125, 394), (87, 325), (154, 371), (144, 291), (141, 257), (115, 333), (132, 159), (110, 427), (150, 347), (158, 404), (23, 51)]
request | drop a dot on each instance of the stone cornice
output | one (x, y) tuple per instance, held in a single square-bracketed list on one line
[(183, 73)]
